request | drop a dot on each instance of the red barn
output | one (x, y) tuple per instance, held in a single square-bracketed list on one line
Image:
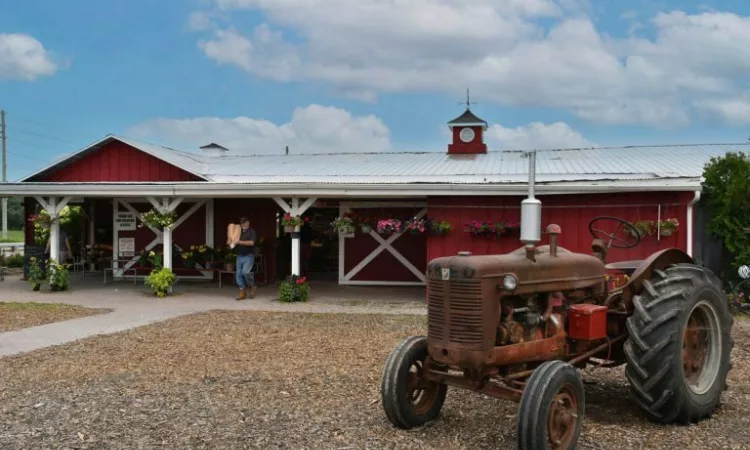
[(475, 192)]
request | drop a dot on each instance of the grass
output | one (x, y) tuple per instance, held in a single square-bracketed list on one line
[(13, 236)]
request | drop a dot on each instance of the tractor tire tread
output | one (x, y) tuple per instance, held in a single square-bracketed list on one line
[(654, 339)]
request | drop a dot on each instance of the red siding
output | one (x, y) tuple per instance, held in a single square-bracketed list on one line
[(262, 215), (116, 162), (571, 212), (385, 266)]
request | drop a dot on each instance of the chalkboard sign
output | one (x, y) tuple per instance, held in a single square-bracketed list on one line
[(32, 250)]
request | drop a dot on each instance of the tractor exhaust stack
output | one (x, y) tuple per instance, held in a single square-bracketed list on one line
[(531, 213)]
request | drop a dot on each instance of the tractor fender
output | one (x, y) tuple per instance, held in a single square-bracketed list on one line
[(657, 261)]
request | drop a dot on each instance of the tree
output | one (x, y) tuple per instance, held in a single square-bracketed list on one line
[(726, 193)]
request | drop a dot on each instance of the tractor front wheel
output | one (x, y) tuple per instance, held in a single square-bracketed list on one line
[(679, 345), (550, 415), (409, 398)]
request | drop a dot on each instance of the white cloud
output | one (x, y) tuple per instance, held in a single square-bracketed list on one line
[(312, 129), (536, 135), (501, 50), (24, 58)]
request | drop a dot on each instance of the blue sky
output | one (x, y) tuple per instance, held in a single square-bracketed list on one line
[(339, 75)]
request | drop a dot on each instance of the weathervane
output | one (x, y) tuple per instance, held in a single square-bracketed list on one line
[(468, 102)]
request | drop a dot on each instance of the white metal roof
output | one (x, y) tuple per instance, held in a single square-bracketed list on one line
[(608, 164)]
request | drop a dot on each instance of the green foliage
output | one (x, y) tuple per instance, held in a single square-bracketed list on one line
[(14, 261), (15, 213), (161, 281), (158, 220), (726, 193), (59, 279), (294, 289), (37, 273)]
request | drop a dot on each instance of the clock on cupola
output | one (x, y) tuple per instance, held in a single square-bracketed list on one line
[(468, 132)]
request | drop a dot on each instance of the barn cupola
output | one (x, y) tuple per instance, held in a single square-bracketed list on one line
[(468, 132), (213, 149)]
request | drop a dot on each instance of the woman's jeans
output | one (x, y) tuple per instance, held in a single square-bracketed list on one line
[(244, 267)]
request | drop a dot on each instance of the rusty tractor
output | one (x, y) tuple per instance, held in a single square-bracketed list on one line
[(518, 326)]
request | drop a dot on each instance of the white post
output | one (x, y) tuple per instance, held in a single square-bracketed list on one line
[(295, 240), (54, 231), (5, 218), (115, 238), (167, 239)]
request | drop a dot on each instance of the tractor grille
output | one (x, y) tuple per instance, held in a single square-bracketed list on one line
[(455, 308)]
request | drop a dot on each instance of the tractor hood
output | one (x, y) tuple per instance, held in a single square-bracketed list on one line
[(564, 270)]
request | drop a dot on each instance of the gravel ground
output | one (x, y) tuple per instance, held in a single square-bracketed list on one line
[(232, 380), (15, 316)]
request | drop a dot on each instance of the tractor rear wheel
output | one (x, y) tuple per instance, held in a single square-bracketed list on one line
[(409, 398), (679, 345), (550, 415)]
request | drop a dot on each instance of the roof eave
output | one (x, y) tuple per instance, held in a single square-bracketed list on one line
[(209, 189)]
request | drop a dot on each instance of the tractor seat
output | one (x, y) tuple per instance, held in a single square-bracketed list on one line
[(627, 267)]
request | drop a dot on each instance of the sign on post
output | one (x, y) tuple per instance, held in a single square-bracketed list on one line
[(126, 246), (125, 221)]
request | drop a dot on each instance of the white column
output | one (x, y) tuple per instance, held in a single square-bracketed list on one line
[(54, 231), (167, 239), (295, 240), (115, 238), (5, 218)]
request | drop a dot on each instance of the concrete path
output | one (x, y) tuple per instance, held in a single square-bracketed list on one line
[(134, 306)]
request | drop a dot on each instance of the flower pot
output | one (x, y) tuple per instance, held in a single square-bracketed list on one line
[(366, 229), (288, 228), (666, 232), (229, 267)]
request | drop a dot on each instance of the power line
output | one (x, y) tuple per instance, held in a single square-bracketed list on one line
[(47, 126), (32, 133)]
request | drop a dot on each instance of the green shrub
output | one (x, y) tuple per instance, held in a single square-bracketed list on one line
[(59, 279), (161, 281), (37, 273), (14, 261), (294, 289)]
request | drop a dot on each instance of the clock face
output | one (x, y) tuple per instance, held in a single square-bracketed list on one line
[(467, 135)]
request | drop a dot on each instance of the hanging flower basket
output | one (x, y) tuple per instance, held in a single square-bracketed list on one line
[(415, 226), (390, 226), (366, 228), (156, 219), (668, 227), (343, 225), (439, 227)]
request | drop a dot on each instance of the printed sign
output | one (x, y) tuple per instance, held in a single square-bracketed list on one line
[(446, 273), (125, 221), (126, 246)]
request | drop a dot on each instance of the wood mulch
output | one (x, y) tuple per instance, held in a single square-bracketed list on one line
[(16, 315), (237, 380)]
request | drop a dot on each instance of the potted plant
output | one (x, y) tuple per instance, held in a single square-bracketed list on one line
[(156, 219), (414, 225), (441, 227), (161, 281), (480, 228), (365, 224), (644, 228), (294, 289), (668, 226), (37, 274), (343, 225), (230, 257), (292, 223), (58, 276), (389, 226)]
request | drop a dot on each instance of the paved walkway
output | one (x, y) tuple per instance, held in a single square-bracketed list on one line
[(134, 306)]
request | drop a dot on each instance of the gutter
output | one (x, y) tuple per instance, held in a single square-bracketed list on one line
[(690, 221), (418, 190)]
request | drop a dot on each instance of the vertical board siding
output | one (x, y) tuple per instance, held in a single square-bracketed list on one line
[(572, 212), (116, 162), (385, 266)]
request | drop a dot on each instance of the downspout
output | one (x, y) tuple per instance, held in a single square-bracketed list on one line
[(690, 222)]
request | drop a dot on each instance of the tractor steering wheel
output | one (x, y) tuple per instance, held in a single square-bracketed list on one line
[(611, 236)]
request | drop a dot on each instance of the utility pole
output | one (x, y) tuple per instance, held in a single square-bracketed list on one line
[(5, 174)]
